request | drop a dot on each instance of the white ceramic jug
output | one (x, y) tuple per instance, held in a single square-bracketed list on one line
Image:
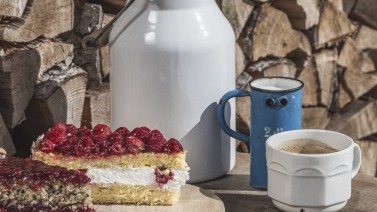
[(171, 61)]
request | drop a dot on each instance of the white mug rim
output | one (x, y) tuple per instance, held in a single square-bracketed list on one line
[(269, 140)]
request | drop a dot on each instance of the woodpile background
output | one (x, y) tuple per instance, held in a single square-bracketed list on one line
[(46, 76)]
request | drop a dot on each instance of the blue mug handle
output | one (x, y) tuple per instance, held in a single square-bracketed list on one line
[(221, 118)]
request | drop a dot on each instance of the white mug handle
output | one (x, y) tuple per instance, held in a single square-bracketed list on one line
[(356, 159)]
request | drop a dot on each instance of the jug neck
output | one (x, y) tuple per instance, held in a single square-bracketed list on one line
[(180, 4)]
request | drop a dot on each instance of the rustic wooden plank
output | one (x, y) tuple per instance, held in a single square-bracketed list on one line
[(273, 35), (237, 12), (20, 66), (333, 25), (302, 14), (6, 141), (42, 17), (325, 61), (356, 120), (97, 106), (315, 118), (13, 8), (192, 199), (365, 12), (310, 91)]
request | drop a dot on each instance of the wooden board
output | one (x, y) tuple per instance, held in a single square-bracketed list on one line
[(236, 193), (43, 17), (193, 199)]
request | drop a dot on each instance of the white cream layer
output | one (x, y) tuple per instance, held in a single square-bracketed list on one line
[(136, 176)]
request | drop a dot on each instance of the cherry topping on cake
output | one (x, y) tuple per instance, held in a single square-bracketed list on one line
[(133, 145), (47, 146), (83, 131), (173, 146), (115, 137), (56, 135), (82, 142), (123, 131), (102, 130), (71, 129), (155, 142), (141, 132), (59, 127)]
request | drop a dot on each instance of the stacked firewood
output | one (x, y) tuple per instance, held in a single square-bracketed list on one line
[(46, 76), (331, 45)]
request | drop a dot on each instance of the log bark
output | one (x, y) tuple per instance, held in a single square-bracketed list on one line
[(302, 14), (325, 61), (97, 106), (333, 25), (6, 141), (13, 8), (47, 18), (365, 12), (273, 35), (105, 51), (315, 118), (356, 120), (91, 19), (237, 12), (59, 98), (310, 91), (19, 68)]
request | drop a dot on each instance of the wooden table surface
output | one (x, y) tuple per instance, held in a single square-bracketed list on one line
[(236, 194)]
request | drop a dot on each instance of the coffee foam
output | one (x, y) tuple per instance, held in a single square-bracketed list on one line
[(307, 146)]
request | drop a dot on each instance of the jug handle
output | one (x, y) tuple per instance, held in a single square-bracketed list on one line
[(100, 37), (221, 116)]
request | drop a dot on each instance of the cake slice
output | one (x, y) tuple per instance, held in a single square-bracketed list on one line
[(137, 167), (27, 185)]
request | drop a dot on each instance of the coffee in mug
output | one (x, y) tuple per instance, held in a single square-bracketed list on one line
[(307, 146)]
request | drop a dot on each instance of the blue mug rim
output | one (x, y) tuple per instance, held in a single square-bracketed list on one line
[(278, 91)]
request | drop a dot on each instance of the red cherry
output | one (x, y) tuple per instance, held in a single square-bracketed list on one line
[(123, 131), (60, 127), (86, 141), (155, 143), (116, 148), (141, 132), (173, 146), (72, 140), (71, 129), (83, 131), (115, 138), (56, 136), (101, 129), (47, 146), (133, 145)]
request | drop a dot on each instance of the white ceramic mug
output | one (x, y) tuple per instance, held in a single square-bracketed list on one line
[(308, 182)]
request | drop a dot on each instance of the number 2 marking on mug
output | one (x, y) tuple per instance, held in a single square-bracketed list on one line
[(267, 131)]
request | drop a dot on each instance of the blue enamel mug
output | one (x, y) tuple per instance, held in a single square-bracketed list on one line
[(275, 107)]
